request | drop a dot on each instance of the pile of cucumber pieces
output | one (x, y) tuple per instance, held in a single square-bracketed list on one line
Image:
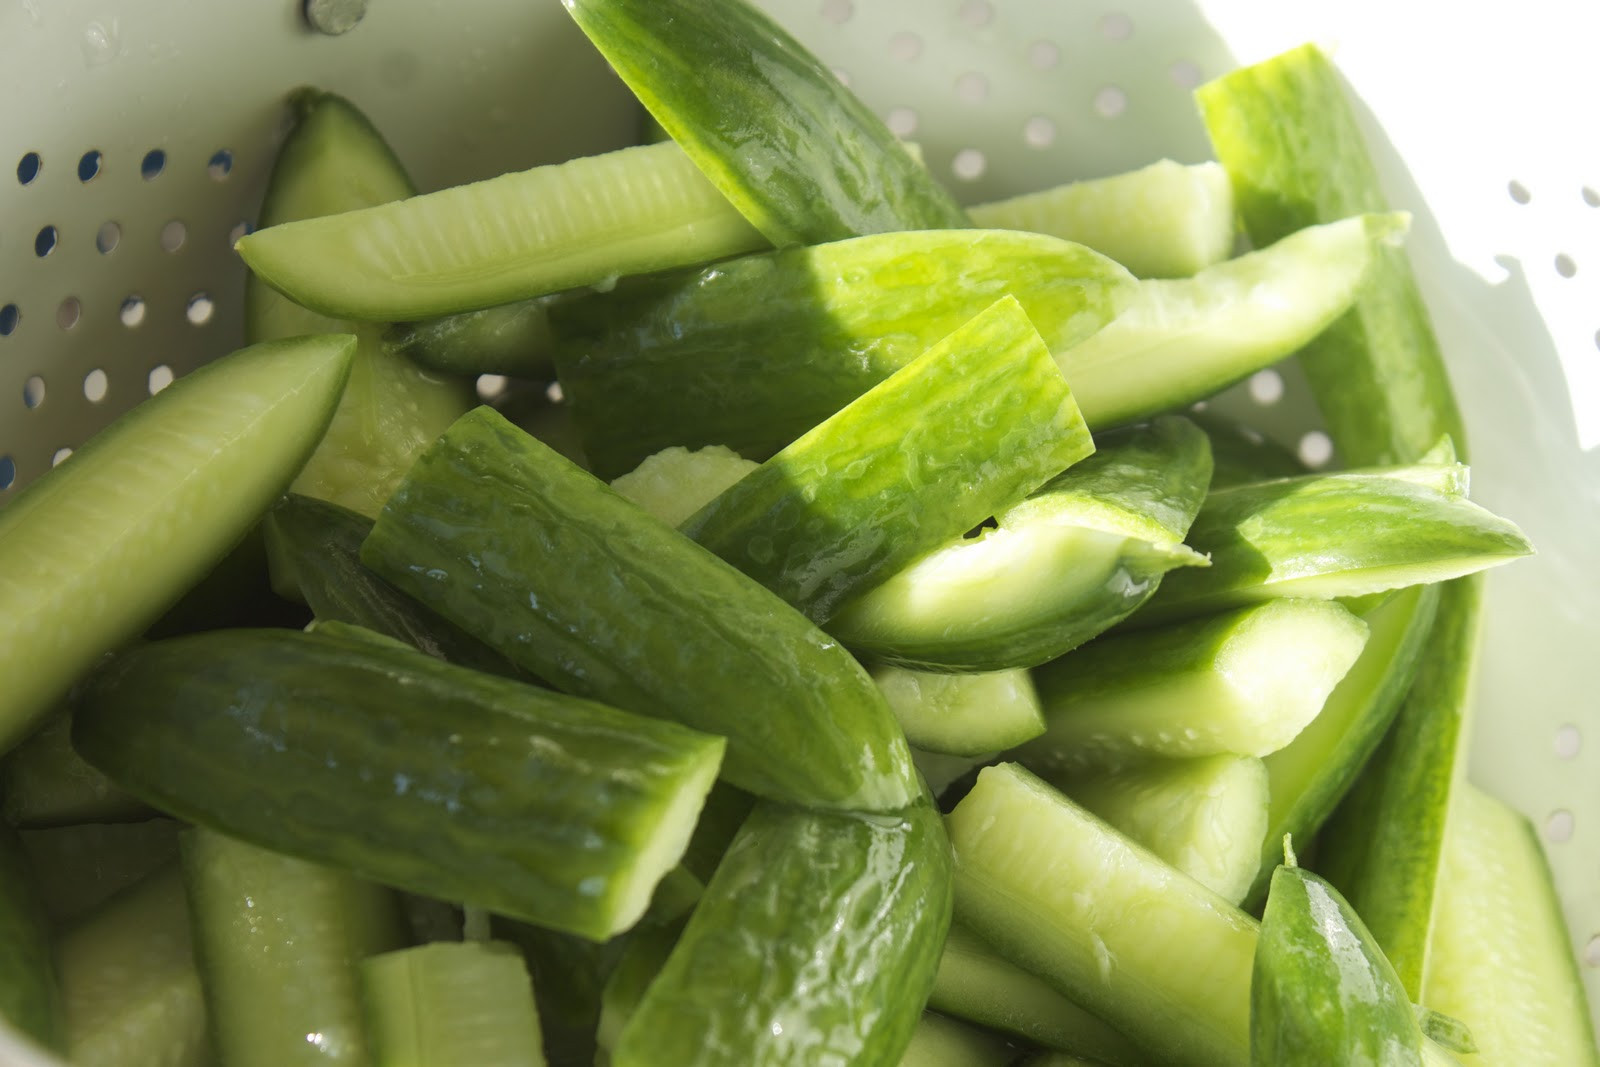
[(841, 651)]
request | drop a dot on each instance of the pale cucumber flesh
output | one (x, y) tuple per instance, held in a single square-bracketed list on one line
[(676, 482), (452, 1004), (98, 548), (1154, 953), (962, 714)]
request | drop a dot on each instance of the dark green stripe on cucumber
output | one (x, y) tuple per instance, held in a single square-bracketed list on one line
[(557, 571), (965, 430), (796, 152), (388, 763)]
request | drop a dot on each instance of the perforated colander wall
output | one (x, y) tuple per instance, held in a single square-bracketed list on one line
[(137, 139)]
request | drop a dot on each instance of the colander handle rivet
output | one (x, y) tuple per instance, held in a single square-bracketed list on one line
[(334, 17)]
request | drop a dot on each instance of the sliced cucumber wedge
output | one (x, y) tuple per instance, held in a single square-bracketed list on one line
[(452, 1004), (1153, 952), (1075, 558), (942, 1042), (1165, 220), (510, 339), (1246, 682), (1183, 340), (675, 483), (505, 239), (44, 782), (98, 548), (1502, 958), (79, 868), (30, 1000), (962, 714)]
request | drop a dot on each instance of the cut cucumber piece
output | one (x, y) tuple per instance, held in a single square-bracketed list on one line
[(98, 548), (316, 547), (1206, 816), (1153, 952), (501, 240), (1165, 220), (1322, 991), (816, 941), (418, 774), (1245, 682), (1288, 136), (1241, 455), (774, 129), (503, 537), (1383, 845), (962, 714), (511, 339), (1310, 775), (1182, 340), (969, 428), (78, 868), (129, 986), (1079, 555), (1333, 535), (976, 983), (44, 782), (642, 960), (334, 161), (1502, 958), (725, 810), (277, 940), (940, 772), (466, 1004), (675, 483), (30, 1000), (754, 352), (569, 975), (941, 1042)]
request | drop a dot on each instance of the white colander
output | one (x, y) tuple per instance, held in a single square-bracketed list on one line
[(136, 139)]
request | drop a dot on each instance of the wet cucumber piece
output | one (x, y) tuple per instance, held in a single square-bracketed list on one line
[(1245, 682), (1076, 557), (1502, 958), (316, 546), (505, 239), (1335, 535), (1321, 991), (1309, 776), (129, 986), (941, 1042), (30, 1000), (795, 151), (98, 548), (1186, 339), (962, 714), (385, 762), (1166, 220), (503, 537), (675, 483), (1206, 816), (335, 161), (511, 339), (1153, 952), (969, 428), (277, 941), (976, 983), (754, 352), (462, 1004), (44, 782), (816, 941)]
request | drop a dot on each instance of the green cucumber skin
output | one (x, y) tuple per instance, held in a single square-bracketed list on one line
[(1307, 778), (318, 545), (129, 985), (977, 983), (511, 339), (44, 783), (753, 352), (966, 430), (332, 162), (1107, 530), (816, 942), (796, 152), (1286, 133), (1339, 530), (1241, 455), (1321, 990), (1114, 929), (94, 551), (277, 941), (1383, 845), (941, 1042), (1502, 957), (30, 999), (503, 537), (385, 762)]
